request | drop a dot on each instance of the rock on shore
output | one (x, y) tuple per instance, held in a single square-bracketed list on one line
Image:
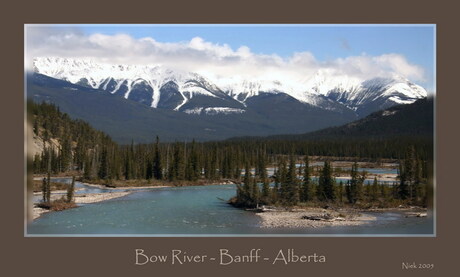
[(312, 218)]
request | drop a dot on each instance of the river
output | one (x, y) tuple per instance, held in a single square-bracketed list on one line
[(194, 211)]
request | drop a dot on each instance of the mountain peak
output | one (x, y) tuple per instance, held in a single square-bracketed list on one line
[(158, 86)]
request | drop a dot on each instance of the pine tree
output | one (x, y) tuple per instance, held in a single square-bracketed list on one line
[(403, 190), (409, 170), (374, 189), (44, 189), (66, 154), (36, 164), (177, 170), (255, 194), (292, 184), (207, 167), (157, 166), (193, 168), (383, 193), (417, 178), (103, 172), (326, 183), (281, 176), (149, 169), (276, 188), (70, 190), (213, 164), (356, 185), (80, 153), (348, 192), (247, 180), (128, 165), (48, 188), (341, 192), (87, 173), (263, 177), (248, 192), (306, 194)]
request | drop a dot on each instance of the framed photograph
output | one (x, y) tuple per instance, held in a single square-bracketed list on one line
[(232, 139), (183, 130)]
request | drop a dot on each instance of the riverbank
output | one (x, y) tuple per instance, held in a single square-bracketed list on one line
[(144, 184), (117, 189), (89, 198), (86, 198), (124, 187), (317, 217)]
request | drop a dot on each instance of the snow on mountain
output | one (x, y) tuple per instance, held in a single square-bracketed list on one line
[(158, 86), (214, 110), (98, 75), (357, 94)]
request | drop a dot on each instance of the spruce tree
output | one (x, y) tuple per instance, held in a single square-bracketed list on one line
[(276, 188), (103, 172), (149, 169), (348, 192), (409, 170), (341, 191), (326, 183), (248, 195), (403, 190), (417, 179), (177, 170), (66, 154), (193, 168), (44, 189), (374, 189), (306, 184), (355, 184), (48, 188), (281, 178), (80, 153), (292, 184), (255, 194), (70, 190), (263, 177), (157, 166)]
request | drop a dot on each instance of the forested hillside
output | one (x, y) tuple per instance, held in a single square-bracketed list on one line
[(78, 144)]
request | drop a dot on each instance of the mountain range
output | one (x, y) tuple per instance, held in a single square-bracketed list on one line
[(141, 101)]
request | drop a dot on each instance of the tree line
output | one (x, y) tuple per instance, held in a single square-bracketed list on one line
[(294, 185)]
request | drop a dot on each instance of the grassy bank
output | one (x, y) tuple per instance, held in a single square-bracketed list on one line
[(57, 205)]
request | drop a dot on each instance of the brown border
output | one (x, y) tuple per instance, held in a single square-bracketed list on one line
[(115, 256)]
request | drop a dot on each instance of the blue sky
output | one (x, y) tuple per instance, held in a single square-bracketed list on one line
[(325, 41), (416, 43)]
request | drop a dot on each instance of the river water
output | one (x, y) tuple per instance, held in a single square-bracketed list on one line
[(192, 211)]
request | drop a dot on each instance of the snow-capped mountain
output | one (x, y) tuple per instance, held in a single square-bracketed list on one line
[(366, 96), (164, 88), (155, 86)]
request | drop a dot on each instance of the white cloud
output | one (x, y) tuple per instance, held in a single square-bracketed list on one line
[(207, 58)]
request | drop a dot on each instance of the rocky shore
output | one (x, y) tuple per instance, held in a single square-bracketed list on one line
[(313, 218), (318, 217)]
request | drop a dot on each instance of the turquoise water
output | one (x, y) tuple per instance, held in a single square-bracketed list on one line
[(193, 211)]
